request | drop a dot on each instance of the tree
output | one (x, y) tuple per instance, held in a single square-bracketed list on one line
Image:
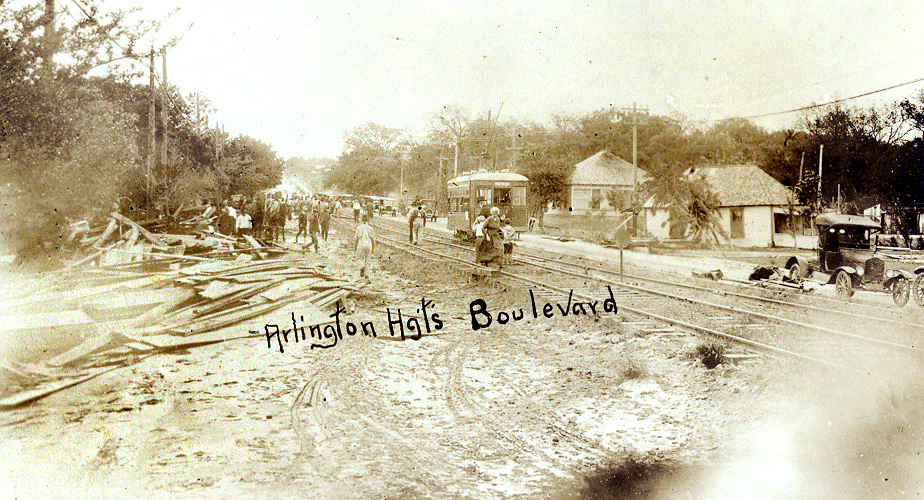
[(371, 161), (691, 204), (449, 127)]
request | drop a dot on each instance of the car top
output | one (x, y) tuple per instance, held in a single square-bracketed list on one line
[(846, 220)]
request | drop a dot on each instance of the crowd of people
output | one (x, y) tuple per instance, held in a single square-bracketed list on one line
[(266, 215)]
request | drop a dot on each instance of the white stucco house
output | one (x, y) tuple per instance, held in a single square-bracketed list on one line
[(753, 206)]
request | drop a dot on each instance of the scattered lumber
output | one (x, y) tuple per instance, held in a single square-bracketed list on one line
[(122, 312)]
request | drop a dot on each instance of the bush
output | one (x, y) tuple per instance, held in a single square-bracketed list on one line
[(712, 354)]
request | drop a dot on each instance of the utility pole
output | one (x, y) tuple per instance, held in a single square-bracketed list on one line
[(821, 151), (48, 48), (635, 110), (163, 107), (513, 156), (152, 143), (455, 166)]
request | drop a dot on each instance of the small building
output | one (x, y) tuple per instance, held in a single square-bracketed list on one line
[(755, 209), (594, 178), (589, 189)]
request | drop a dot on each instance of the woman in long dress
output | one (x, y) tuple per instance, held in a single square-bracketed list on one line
[(490, 248)]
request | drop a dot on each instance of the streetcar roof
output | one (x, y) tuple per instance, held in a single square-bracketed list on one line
[(488, 176)]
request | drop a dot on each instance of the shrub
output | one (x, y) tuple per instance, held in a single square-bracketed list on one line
[(712, 354)]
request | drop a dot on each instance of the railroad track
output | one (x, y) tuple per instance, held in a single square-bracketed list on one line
[(765, 331)]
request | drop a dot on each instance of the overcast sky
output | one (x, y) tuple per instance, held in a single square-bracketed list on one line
[(298, 75)]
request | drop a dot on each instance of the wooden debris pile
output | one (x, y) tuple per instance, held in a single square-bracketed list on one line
[(88, 320), (129, 243)]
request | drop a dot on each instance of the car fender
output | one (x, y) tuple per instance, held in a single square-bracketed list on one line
[(919, 270), (804, 268), (854, 277), (900, 274)]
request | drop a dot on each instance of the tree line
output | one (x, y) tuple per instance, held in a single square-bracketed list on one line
[(868, 155), (75, 122)]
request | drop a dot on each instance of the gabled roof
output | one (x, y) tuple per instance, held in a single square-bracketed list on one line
[(605, 168), (743, 185)]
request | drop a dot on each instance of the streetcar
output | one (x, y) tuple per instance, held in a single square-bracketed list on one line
[(469, 191)]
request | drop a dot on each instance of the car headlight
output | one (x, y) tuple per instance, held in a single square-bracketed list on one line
[(890, 273), (859, 271)]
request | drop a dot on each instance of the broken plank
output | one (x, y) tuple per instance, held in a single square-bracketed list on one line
[(26, 397), (253, 241), (86, 348), (111, 228), (218, 289), (144, 232), (242, 315), (177, 297)]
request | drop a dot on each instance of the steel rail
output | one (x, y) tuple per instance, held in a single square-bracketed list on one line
[(753, 345), (758, 298)]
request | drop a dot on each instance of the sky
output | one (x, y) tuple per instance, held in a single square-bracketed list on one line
[(299, 75)]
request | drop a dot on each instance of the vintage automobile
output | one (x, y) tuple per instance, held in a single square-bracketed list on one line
[(848, 249)]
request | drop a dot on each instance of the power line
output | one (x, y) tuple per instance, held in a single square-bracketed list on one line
[(836, 101)]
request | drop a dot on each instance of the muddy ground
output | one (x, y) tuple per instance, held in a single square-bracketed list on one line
[(568, 407)]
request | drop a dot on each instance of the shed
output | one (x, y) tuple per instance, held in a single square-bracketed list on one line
[(596, 176)]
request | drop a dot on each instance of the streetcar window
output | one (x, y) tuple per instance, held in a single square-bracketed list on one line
[(484, 194), (502, 195), (519, 195)]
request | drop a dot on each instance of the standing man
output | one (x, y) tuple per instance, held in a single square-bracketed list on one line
[(418, 219), (314, 227), (324, 218), (411, 215), (285, 213), (363, 245), (302, 225), (356, 208)]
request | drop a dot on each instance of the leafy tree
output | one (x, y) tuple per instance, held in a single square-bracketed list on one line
[(691, 205), (371, 161)]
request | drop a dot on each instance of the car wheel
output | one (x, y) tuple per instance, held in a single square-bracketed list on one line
[(844, 285), (900, 290), (795, 272), (917, 290)]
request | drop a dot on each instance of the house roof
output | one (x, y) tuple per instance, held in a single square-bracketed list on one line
[(743, 185), (605, 168)]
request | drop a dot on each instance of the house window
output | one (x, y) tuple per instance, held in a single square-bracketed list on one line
[(596, 199), (737, 223)]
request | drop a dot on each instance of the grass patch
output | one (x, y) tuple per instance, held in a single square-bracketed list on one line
[(633, 369)]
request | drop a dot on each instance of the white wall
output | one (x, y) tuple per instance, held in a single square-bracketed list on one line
[(654, 218), (758, 225)]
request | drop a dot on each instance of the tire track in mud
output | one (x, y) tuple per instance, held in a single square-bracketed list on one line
[(501, 423), (592, 448), (368, 425)]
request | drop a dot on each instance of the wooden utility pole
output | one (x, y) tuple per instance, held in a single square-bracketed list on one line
[(513, 156), (48, 42), (821, 151), (152, 142), (635, 110), (163, 108)]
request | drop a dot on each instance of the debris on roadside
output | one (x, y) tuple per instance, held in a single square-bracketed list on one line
[(713, 274), (129, 293), (773, 276)]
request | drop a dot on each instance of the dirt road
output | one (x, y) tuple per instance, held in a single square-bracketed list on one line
[(531, 409)]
